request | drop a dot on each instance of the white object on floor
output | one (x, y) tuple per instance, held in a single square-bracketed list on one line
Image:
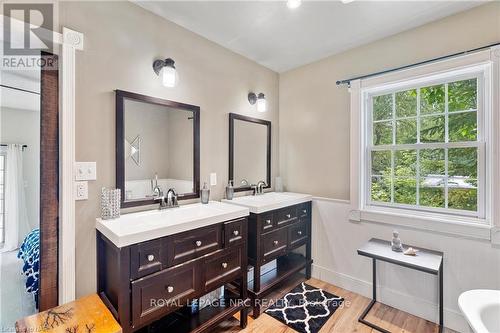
[(139, 227), (269, 201), (481, 308)]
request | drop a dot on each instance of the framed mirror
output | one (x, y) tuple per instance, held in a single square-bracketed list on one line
[(249, 151), (157, 145)]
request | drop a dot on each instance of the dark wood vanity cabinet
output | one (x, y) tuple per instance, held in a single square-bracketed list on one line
[(275, 235), (147, 284)]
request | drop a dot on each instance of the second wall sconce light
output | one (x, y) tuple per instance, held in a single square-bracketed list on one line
[(260, 99), (166, 68)]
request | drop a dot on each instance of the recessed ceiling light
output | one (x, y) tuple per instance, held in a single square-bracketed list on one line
[(346, 1), (292, 4)]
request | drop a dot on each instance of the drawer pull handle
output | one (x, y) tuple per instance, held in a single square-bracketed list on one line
[(170, 289), (224, 265), (275, 243), (268, 221), (288, 216), (198, 243), (299, 233), (151, 258), (304, 211)]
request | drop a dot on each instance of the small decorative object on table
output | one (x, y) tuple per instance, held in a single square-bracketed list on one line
[(205, 194), (110, 203), (410, 251), (230, 191), (396, 244)]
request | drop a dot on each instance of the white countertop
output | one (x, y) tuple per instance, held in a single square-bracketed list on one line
[(269, 201), (138, 227)]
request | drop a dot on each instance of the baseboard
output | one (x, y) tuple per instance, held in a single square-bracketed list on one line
[(408, 303)]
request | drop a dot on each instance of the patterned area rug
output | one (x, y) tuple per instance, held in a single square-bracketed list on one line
[(305, 309)]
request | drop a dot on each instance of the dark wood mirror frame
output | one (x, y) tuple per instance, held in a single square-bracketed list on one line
[(232, 118), (121, 96)]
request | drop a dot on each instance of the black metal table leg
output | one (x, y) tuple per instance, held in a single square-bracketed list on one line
[(361, 318), (441, 300)]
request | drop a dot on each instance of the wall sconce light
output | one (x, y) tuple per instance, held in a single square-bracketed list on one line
[(167, 70), (260, 99)]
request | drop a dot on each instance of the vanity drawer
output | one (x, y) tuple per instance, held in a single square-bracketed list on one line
[(146, 258), (160, 293), (221, 268), (303, 210), (285, 216), (267, 222), (297, 233), (274, 244), (193, 244), (234, 232)]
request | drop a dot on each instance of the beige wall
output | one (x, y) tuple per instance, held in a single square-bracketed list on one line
[(314, 112), (121, 42)]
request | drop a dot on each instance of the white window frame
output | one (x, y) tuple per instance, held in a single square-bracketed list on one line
[(442, 78), (484, 226), (2, 203)]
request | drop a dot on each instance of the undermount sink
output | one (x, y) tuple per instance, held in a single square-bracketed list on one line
[(481, 308), (142, 226), (269, 201)]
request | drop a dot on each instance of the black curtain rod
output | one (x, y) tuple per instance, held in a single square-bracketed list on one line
[(348, 81), (19, 89)]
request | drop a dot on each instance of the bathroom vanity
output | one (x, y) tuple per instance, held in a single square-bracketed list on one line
[(150, 264), (278, 227)]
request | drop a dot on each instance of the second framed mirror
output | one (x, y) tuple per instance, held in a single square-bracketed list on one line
[(249, 152)]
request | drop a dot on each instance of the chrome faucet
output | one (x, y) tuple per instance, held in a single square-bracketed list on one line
[(260, 187), (171, 199)]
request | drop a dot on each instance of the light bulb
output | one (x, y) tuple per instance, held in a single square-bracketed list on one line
[(292, 4), (261, 103), (169, 76)]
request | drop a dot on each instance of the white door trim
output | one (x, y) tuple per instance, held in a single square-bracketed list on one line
[(70, 42)]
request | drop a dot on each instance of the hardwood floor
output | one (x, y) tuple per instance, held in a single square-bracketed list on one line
[(344, 320)]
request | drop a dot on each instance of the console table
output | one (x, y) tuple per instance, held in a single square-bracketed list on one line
[(427, 261)]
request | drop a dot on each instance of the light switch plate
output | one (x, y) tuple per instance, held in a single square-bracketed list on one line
[(213, 179), (85, 171), (81, 190)]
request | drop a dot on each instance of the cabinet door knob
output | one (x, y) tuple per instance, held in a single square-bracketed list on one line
[(268, 221), (170, 289), (299, 233), (236, 232), (198, 243), (151, 258), (288, 216), (275, 242), (304, 211), (224, 265)]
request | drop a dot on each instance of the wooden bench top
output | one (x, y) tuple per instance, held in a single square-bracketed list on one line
[(85, 315)]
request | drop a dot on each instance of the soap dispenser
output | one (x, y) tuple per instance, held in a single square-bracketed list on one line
[(205, 194), (230, 190)]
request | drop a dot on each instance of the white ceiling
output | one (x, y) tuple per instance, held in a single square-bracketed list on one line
[(281, 39)]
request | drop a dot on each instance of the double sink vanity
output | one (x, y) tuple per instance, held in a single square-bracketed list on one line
[(188, 268)]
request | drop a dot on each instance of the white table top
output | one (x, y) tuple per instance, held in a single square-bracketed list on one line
[(426, 260)]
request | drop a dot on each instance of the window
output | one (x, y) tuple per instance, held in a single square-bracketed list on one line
[(425, 145), (2, 196)]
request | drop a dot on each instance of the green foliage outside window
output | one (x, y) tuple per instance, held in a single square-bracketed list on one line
[(429, 177)]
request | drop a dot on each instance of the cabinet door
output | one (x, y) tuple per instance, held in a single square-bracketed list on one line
[(286, 216), (222, 267), (146, 258), (193, 244), (297, 233), (160, 293), (235, 233), (274, 244)]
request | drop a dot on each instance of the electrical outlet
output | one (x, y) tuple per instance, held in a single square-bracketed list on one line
[(85, 171), (213, 179), (81, 190)]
